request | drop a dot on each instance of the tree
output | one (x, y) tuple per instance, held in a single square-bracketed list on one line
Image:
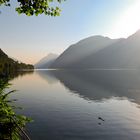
[(36, 7)]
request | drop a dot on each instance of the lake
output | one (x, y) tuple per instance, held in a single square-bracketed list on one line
[(98, 104)]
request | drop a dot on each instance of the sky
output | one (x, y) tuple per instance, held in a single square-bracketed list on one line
[(29, 39)]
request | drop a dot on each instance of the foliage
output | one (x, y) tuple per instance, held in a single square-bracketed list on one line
[(35, 7), (9, 120)]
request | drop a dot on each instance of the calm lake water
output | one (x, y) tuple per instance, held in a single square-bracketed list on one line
[(80, 105)]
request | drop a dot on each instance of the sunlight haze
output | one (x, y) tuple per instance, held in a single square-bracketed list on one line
[(29, 39), (128, 23)]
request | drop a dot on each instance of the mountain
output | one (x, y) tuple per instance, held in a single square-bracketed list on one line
[(8, 65), (71, 57), (46, 61), (123, 54), (101, 52)]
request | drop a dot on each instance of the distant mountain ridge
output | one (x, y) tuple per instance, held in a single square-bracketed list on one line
[(45, 62), (101, 52)]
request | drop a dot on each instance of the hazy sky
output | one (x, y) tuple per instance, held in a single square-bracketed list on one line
[(31, 38)]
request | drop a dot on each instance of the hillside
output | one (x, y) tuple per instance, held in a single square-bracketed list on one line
[(8, 65), (71, 57), (101, 52)]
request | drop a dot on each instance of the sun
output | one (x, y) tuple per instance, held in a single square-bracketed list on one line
[(128, 23)]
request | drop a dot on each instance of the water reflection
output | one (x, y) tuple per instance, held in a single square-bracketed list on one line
[(47, 76), (14, 75), (10, 122), (99, 84), (79, 105)]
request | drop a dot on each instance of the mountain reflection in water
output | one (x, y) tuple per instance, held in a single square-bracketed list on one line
[(81, 104), (98, 85)]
